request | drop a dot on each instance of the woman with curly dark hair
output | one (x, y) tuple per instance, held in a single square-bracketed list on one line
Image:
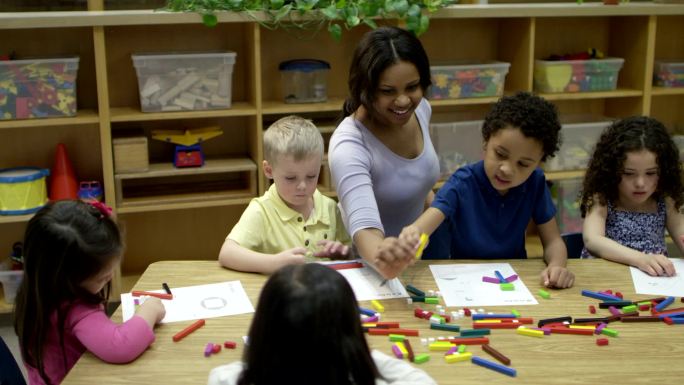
[(632, 191)]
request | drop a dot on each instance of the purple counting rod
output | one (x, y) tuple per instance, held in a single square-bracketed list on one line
[(494, 366), (512, 278), (490, 279), (208, 349)]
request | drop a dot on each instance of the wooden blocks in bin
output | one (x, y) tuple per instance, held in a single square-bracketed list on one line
[(130, 154)]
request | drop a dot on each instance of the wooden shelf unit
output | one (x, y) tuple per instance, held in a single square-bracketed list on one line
[(195, 225)]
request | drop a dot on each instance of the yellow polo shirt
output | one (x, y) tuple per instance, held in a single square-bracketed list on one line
[(269, 226)]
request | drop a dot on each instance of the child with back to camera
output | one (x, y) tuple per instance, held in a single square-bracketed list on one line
[(488, 204), (311, 311), (71, 250), (292, 222), (632, 191)]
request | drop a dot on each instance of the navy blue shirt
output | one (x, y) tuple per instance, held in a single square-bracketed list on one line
[(484, 224)]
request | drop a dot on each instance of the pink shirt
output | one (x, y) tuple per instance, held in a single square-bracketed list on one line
[(87, 328)]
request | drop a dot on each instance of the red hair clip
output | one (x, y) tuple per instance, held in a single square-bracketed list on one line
[(105, 210)]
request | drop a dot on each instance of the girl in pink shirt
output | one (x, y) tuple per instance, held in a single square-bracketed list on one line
[(71, 250)]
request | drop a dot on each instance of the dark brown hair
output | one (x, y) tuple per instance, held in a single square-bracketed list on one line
[(311, 311), (66, 242), (378, 50), (606, 166)]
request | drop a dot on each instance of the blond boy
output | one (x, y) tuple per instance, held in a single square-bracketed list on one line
[(292, 222)]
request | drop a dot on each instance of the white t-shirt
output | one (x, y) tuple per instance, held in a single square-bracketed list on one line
[(394, 371), (376, 187)]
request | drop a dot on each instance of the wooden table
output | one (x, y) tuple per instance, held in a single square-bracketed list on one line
[(642, 353)]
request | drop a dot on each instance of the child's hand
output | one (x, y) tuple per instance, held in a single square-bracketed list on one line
[(294, 256), (411, 235), (392, 257), (557, 276), (332, 250), (152, 311), (657, 265)]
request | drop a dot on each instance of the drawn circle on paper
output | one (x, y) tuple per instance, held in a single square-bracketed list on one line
[(213, 303)]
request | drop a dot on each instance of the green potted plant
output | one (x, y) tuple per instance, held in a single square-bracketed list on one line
[(317, 14)]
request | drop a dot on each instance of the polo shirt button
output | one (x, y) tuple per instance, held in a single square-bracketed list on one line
[(299, 219), (325, 236), (304, 228), (306, 243)]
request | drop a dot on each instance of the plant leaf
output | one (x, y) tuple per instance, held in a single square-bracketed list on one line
[(282, 12), (209, 19), (401, 7), (424, 24), (330, 12), (335, 31)]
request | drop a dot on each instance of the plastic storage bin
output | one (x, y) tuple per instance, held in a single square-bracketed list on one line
[(10, 280), (577, 75), (456, 144), (679, 141), (184, 81), (579, 140), (668, 74), (304, 80), (468, 80), (568, 213), (38, 88)]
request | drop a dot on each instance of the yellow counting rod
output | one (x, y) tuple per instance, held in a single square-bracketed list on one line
[(529, 332), (421, 246), (458, 357)]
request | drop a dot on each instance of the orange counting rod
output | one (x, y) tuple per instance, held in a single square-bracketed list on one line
[(183, 333), (140, 293)]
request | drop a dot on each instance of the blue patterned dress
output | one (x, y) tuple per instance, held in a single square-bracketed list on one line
[(640, 231)]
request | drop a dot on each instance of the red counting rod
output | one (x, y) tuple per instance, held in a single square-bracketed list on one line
[(388, 331), (140, 293), (183, 333)]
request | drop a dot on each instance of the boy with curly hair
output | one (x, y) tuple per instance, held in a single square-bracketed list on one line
[(484, 207)]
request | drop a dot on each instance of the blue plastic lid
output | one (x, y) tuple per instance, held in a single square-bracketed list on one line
[(304, 65), (22, 174)]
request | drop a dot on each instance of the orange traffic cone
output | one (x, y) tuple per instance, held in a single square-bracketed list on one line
[(63, 183)]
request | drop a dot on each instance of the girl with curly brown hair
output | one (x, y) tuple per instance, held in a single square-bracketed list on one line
[(632, 191)]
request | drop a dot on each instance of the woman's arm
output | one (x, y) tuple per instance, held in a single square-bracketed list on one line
[(350, 163), (388, 255)]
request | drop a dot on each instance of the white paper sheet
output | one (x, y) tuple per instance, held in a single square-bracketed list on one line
[(366, 283), (195, 302), (669, 286), (461, 285)]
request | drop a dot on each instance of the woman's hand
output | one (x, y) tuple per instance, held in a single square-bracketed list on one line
[(392, 256)]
